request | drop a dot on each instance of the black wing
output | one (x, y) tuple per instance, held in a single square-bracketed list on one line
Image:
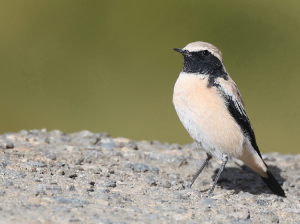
[(238, 112)]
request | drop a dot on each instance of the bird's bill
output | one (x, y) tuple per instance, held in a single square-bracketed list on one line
[(183, 52), (179, 50)]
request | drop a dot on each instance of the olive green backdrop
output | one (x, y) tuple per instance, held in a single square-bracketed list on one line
[(109, 65)]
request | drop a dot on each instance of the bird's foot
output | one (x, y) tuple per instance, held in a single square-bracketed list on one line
[(188, 186), (209, 195)]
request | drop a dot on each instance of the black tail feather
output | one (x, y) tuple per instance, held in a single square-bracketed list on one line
[(273, 184)]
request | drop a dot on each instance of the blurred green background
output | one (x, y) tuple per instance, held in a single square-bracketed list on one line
[(109, 65)]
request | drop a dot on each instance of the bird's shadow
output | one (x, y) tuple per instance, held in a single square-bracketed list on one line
[(244, 179)]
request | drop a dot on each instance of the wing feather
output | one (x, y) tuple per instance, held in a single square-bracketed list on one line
[(235, 106)]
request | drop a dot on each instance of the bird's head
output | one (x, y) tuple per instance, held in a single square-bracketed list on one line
[(201, 57)]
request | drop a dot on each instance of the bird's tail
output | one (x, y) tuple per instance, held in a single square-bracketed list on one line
[(273, 184), (257, 164)]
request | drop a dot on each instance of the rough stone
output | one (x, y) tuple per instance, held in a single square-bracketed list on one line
[(138, 167), (90, 177), (9, 145), (111, 183)]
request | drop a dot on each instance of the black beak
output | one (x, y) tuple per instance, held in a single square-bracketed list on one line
[(181, 51)]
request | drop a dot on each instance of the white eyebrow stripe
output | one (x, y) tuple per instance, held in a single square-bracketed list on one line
[(202, 46)]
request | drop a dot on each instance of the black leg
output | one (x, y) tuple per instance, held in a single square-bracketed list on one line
[(199, 171), (224, 161)]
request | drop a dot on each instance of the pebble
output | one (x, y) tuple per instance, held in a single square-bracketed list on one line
[(12, 174), (36, 164), (240, 215), (34, 132), (115, 195), (105, 191), (175, 146), (107, 144), (138, 167), (47, 140), (167, 184), (111, 183), (80, 160), (133, 145), (9, 145), (23, 132), (176, 195), (65, 139), (154, 170), (70, 148), (50, 155), (262, 202), (73, 201), (208, 202), (62, 209), (98, 171), (73, 175), (150, 181)]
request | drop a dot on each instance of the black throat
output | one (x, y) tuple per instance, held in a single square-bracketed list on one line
[(204, 63)]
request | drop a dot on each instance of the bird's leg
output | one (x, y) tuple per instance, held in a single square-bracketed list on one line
[(199, 171), (224, 161)]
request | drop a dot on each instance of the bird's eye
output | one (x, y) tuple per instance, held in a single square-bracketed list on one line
[(205, 53)]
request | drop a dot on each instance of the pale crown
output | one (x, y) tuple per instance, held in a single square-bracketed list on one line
[(202, 46)]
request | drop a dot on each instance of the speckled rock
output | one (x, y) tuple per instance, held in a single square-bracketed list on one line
[(85, 177)]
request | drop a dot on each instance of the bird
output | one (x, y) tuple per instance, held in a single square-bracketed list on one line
[(210, 107)]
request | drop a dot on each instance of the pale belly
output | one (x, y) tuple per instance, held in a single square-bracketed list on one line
[(204, 115)]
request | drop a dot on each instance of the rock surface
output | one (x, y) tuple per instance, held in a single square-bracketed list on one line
[(53, 177)]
